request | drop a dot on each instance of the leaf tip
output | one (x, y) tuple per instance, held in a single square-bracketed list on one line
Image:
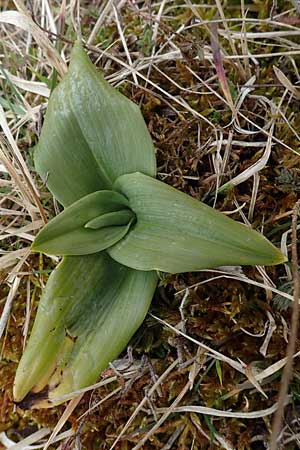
[(281, 258), (78, 54)]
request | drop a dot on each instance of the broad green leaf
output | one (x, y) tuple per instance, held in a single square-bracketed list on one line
[(71, 233), (90, 309), (176, 233), (91, 135)]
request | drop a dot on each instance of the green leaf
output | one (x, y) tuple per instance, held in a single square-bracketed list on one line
[(91, 135), (212, 430), (89, 225), (122, 217), (89, 310), (176, 233), (219, 371)]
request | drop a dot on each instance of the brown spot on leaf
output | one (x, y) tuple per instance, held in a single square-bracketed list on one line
[(32, 398)]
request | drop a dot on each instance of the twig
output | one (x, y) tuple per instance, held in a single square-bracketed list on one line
[(287, 371)]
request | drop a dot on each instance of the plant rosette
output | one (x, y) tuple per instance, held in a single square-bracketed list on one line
[(119, 227)]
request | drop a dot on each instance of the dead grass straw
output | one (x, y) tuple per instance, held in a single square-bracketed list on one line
[(232, 141)]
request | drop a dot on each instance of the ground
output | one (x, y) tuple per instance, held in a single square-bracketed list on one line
[(217, 84)]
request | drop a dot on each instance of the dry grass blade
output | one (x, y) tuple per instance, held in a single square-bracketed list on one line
[(103, 400), (9, 259), (236, 365), (35, 87), (74, 394), (262, 376), (256, 179), (17, 153), (256, 167), (8, 305), (220, 413), (24, 22), (100, 21), (26, 185), (286, 82), (65, 416), (261, 35), (22, 231), (243, 279), (31, 441), (14, 280), (252, 379), (26, 443), (123, 40)]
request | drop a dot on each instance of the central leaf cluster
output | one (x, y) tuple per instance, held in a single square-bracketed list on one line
[(90, 225), (147, 225), (119, 226)]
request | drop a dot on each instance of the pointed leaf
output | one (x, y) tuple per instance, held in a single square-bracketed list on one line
[(91, 135), (69, 233), (89, 310), (176, 233), (122, 217)]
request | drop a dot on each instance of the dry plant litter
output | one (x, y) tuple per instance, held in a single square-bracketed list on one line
[(218, 84)]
